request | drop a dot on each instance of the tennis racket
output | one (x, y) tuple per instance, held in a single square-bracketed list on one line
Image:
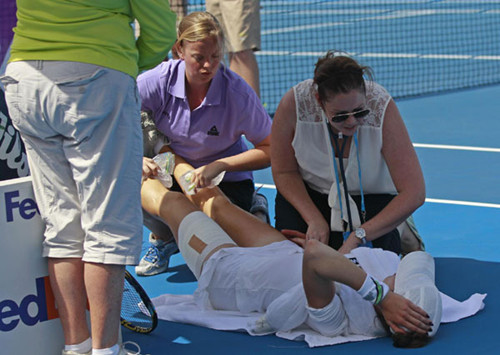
[(138, 313)]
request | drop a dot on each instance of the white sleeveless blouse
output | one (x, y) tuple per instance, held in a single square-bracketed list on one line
[(314, 154)]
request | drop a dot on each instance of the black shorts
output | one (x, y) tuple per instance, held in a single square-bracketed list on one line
[(287, 217)]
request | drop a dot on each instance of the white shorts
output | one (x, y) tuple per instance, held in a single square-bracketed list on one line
[(249, 279), (81, 127)]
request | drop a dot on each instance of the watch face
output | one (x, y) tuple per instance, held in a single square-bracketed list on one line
[(360, 233)]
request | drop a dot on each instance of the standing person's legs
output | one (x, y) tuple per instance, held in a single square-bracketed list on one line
[(86, 182), (104, 285), (66, 280), (244, 63), (107, 165), (240, 21), (53, 191)]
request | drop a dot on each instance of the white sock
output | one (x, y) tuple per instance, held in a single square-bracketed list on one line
[(373, 290), (84, 347), (114, 350)]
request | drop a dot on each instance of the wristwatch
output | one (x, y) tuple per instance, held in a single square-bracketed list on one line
[(361, 234)]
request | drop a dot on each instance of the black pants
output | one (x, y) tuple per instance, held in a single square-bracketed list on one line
[(287, 217), (239, 192)]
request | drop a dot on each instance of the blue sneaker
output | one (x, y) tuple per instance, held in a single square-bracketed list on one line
[(157, 258), (260, 207)]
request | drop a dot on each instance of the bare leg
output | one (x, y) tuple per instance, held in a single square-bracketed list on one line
[(245, 65), (171, 206), (104, 284), (321, 266), (244, 228), (66, 280)]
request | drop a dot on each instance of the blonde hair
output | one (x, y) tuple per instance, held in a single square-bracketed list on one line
[(198, 26)]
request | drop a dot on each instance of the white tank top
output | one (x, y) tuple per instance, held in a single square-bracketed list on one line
[(314, 154)]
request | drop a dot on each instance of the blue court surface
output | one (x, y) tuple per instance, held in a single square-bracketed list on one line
[(456, 139), (455, 135)]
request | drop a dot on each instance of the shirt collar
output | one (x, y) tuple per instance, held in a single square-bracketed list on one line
[(214, 94), (177, 85)]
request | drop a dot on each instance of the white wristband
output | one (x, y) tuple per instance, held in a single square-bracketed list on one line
[(373, 290)]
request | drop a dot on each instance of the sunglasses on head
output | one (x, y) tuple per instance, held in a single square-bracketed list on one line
[(341, 117)]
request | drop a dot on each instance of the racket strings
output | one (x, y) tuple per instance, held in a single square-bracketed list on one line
[(135, 313)]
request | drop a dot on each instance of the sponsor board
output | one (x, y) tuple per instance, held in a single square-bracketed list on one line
[(29, 322)]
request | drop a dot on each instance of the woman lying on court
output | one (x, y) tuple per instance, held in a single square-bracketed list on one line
[(245, 265)]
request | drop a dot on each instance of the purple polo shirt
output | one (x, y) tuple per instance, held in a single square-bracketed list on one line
[(213, 130)]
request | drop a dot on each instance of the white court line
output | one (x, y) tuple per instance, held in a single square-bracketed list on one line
[(462, 203), (431, 200), (488, 57), (377, 15), (390, 55), (265, 186), (456, 147), (265, 3), (446, 56), (387, 55), (303, 27)]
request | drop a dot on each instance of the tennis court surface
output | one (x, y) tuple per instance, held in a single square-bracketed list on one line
[(441, 62), (455, 136), (425, 53)]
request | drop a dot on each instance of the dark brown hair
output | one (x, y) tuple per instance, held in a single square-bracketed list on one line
[(337, 73), (410, 340)]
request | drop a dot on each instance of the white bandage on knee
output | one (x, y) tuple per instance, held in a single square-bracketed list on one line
[(415, 280), (330, 320), (207, 231), (373, 290)]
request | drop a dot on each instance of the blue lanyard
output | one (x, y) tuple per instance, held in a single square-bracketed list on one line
[(334, 145), (363, 209)]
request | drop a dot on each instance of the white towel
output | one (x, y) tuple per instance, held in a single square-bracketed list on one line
[(183, 309)]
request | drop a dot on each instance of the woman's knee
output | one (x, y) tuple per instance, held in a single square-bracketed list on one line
[(313, 251), (219, 205), (152, 192)]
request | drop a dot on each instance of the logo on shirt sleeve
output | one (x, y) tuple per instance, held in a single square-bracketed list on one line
[(213, 131)]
